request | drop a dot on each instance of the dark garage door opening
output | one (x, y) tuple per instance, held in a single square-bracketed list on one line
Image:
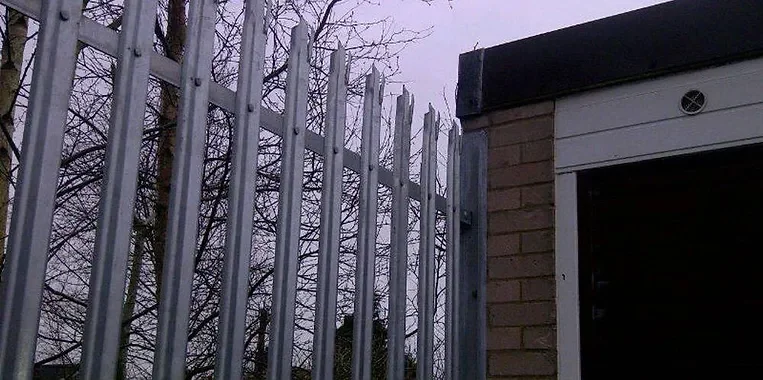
[(671, 255)]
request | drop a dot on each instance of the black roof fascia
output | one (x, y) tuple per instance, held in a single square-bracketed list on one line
[(662, 39)]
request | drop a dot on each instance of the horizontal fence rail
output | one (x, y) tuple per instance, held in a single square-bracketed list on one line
[(21, 290)]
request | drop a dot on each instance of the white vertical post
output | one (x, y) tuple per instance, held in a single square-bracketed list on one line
[(230, 343), (112, 243), (368, 198), (567, 276), (289, 207), (24, 273), (398, 257), (453, 265), (331, 202), (182, 226), (425, 344)]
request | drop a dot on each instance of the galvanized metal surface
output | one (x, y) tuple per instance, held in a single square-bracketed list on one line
[(471, 306), (331, 203), (367, 212), (27, 254), (289, 207), (398, 257), (453, 324), (107, 283), (106, 40), (100, 345), (426, 301), (185, 195), (230, 344)]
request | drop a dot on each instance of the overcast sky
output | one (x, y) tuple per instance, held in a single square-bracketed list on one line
[(432, 64)]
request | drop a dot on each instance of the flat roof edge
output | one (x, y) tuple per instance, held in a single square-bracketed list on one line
[(663, 39)]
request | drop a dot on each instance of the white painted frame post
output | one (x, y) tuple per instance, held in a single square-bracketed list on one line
[(567, 279), (649, 125)]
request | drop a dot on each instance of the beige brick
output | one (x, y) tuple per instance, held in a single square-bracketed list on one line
[(521, 131), (521, 175), (521, 314), (503, 291), (542, 338), (538, 241), (541, 150), (521, 363), (502, 245), (538, 289), (538, 195), (522, 112), (504, 338), (520, 220), (501, 200), (504, 156), (520, 266)]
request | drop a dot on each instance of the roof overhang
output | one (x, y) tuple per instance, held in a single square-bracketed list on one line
[(676, 36)]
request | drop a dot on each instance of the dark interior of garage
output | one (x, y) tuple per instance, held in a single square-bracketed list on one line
[(670, 267)]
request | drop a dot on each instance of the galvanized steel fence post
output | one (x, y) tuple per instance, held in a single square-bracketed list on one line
[(230, 343), (398, 256), (453, 265), (100, 345), (289, 207), (331, 202), (27, 254), (61, 27), (368, 198), (426, 301), (471, 307), (185, 195)]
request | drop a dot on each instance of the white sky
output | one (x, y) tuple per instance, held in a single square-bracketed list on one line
[(432, 64)]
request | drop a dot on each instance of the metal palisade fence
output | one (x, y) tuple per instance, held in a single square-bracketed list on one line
[(62, 26)]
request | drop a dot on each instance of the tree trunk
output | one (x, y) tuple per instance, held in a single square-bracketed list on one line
[(261, 355), (175, 38), (132, 292), (10, 76)]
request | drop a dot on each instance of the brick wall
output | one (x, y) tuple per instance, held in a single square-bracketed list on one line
[(521, 331)]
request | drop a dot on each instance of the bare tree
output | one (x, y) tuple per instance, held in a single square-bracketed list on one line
[(11, 65), (368, 42)]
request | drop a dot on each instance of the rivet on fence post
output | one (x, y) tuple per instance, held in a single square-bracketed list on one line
[(197, 82), (250, 107), (370, 168), (336, 150), (65, 15), (296, 131), (137, 52)]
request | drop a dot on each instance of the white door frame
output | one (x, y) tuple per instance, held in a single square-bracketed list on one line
[(637, 122)]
